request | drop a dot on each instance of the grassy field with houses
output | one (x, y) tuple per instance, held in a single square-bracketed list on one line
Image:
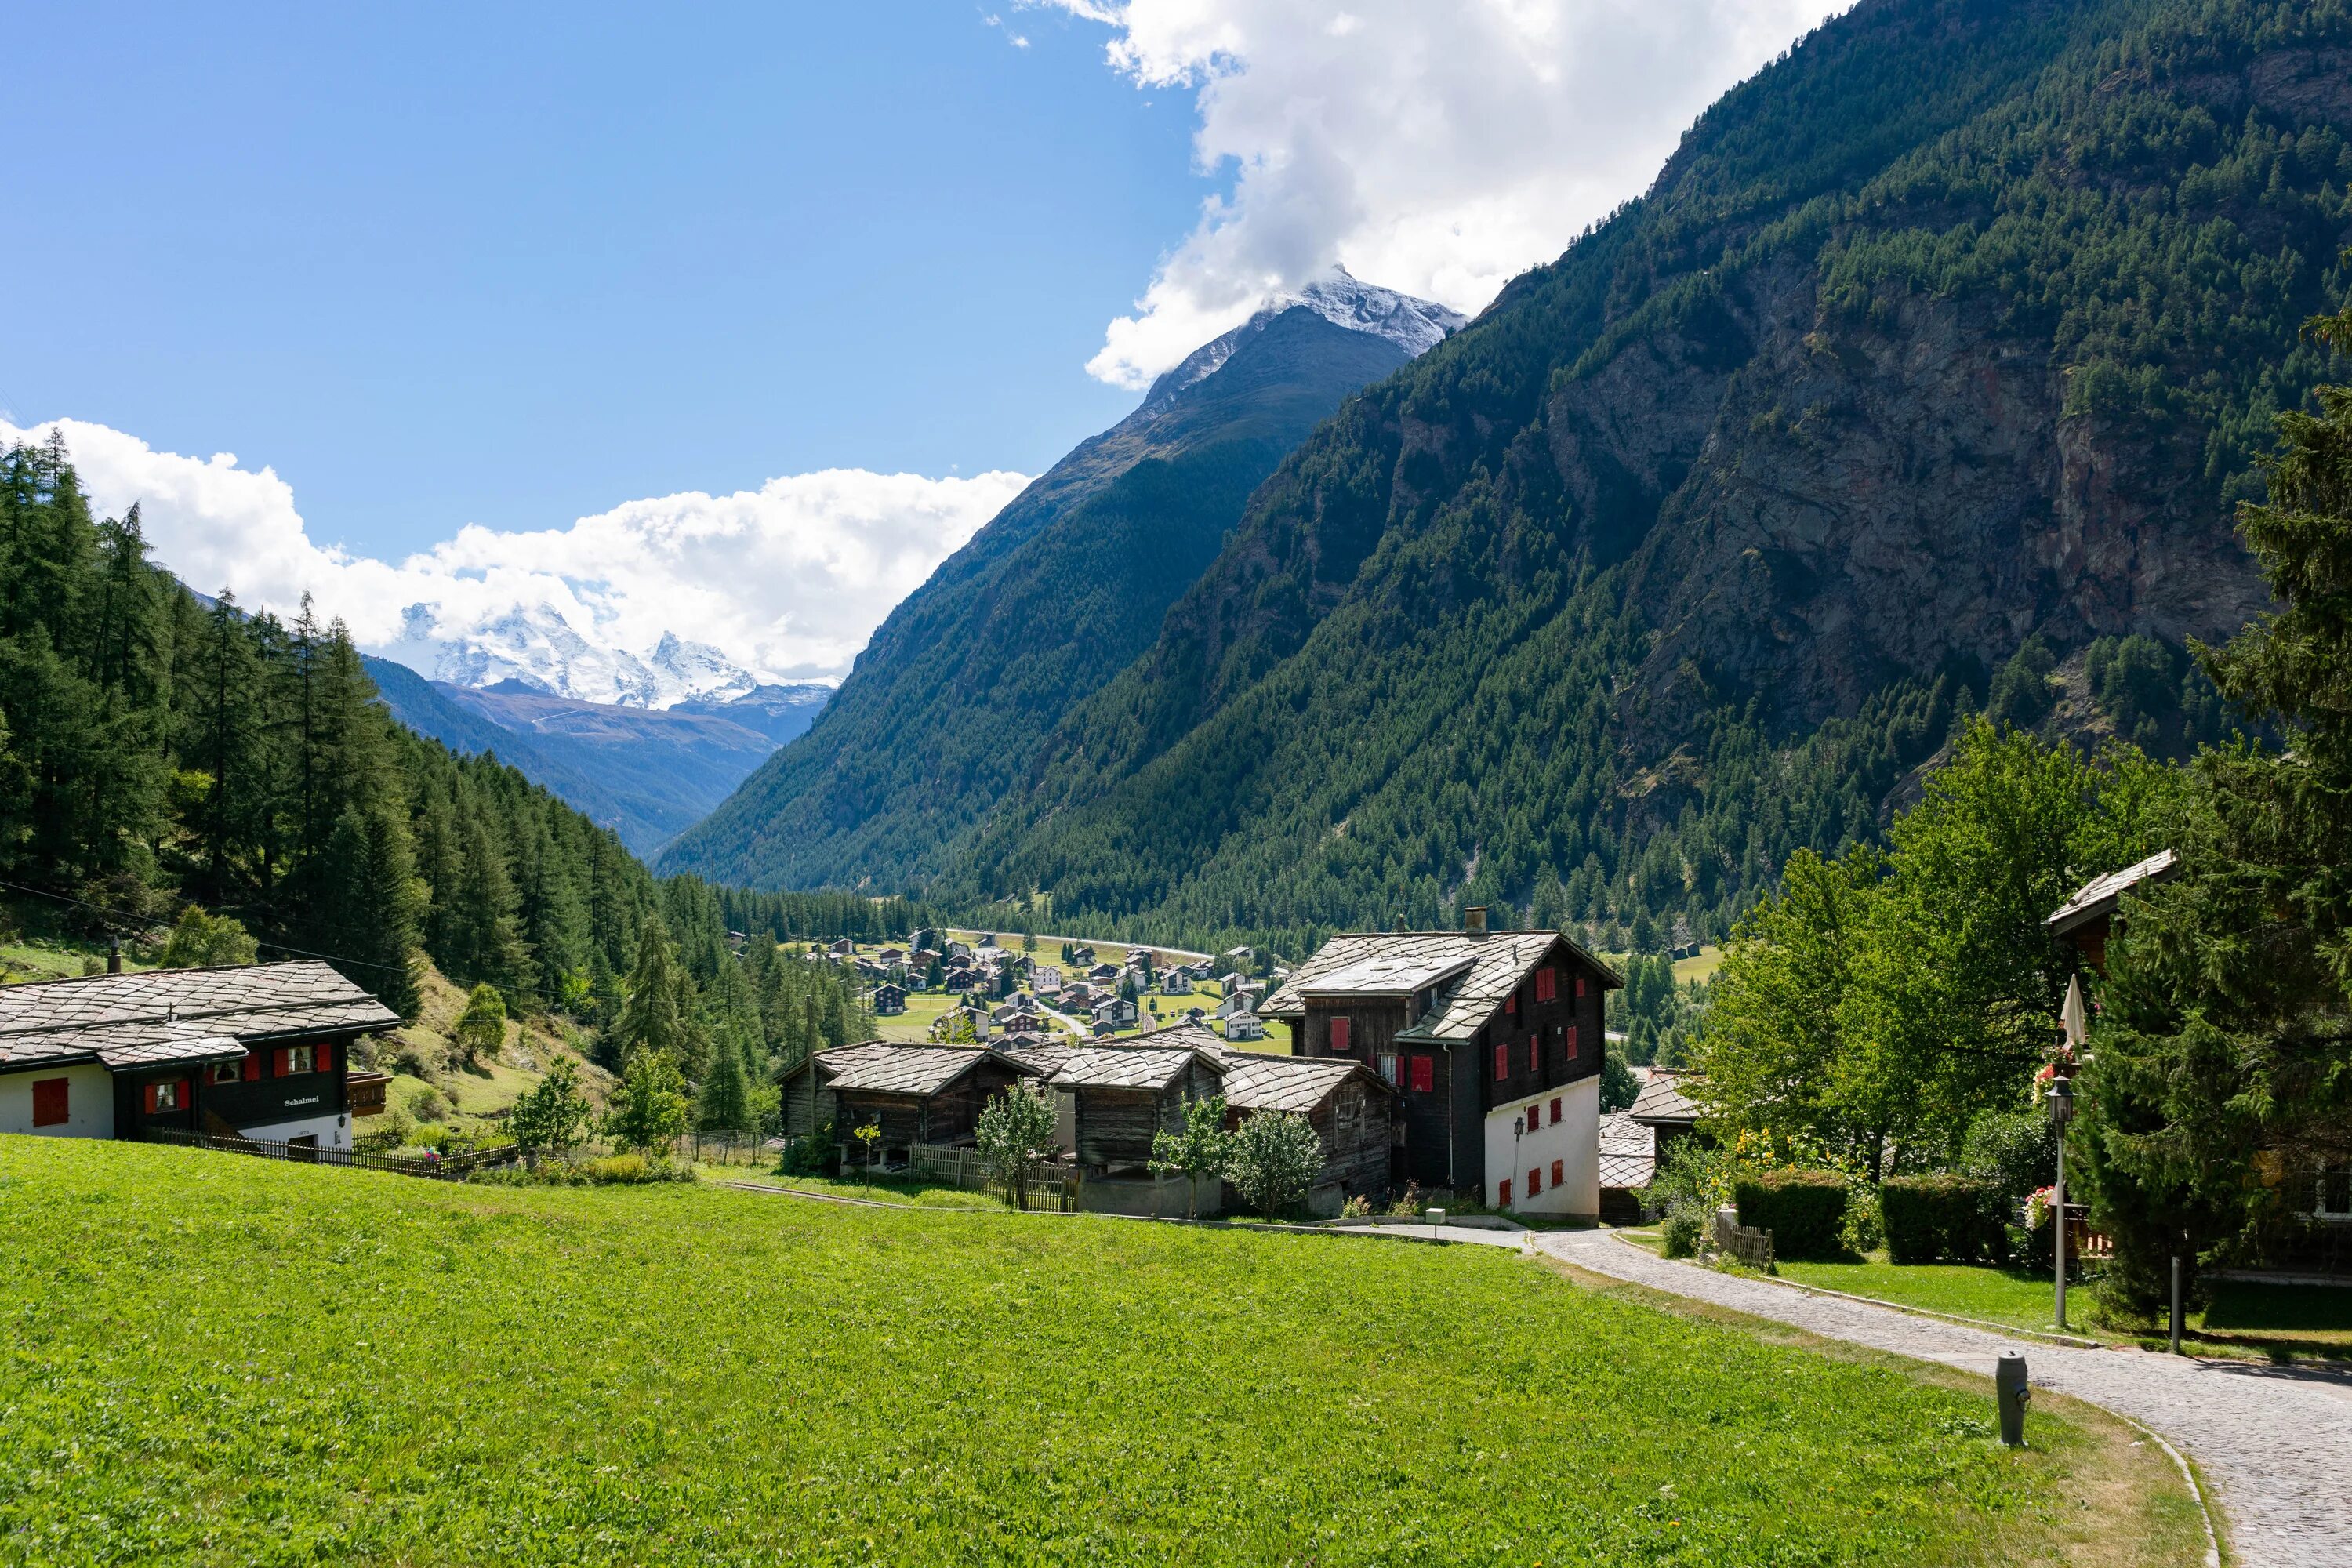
[(212, 1359)]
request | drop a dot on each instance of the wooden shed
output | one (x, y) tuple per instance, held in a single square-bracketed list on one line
[(916, 1093), (1122, 1096), (1352, 1108)]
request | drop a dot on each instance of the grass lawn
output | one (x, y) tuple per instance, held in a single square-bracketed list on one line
[(213, 1359), (2280, 1321), (909, 1193)]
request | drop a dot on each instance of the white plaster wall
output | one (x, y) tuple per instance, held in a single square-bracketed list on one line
[(1574, 1141), (332, 1130), (90, 1102)]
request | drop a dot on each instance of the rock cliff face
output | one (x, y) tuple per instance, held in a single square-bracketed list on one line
[(1963, 324)]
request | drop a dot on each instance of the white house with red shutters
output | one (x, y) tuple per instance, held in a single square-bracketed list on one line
[(261, 1051), (1493, 1038)]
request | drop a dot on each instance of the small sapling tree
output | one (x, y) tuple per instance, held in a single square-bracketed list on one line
[(1015, 1133), (554, 1116), (648, 1110), (867, 1136), (1273, 1161), (1197, 1153), (482, 1029)]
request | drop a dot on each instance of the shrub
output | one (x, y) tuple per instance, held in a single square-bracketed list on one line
[(1865, 1229), (1273, 1161), (629, 1169), (1943, 1220), (1804, 1210), (2014, 1151), (1684, 1229)]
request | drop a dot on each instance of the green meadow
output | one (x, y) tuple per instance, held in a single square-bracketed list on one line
[(213, 1359)]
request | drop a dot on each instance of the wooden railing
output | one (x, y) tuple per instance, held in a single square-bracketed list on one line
[(1052, 1188), (451, 1168)]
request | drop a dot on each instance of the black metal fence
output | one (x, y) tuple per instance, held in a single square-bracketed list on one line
[(451, 1168)]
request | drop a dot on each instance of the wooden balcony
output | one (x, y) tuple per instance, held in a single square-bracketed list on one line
[(366, 1093)]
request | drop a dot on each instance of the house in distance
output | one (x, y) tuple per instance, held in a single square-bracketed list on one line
[(262, 1051), (1492, 1038)]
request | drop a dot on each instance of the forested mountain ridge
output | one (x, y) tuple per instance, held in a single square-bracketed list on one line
[(948, 705), (1956, 328)]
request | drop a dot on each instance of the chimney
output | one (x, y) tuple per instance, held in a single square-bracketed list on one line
[(114, 955), (1474, 919)]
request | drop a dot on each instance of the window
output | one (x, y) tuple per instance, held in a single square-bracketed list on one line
[(1546, 984), (1574, 1046), (1535, 1054), (1555, 1110), (1502, 1063), (163, 1097), (51, 1105), (226, 1072), (1535, 1182), (1557, 1167), (1424, 1074), (1579, 986), (1503, 1198), (292, 1059), (1339, 1034), (1389, 1066)]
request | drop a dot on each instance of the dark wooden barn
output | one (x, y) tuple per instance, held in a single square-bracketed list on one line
[(1122, 1096), (915, 1093)]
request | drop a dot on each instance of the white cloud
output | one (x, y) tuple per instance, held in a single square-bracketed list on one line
[(1438, 149), (788, 580)]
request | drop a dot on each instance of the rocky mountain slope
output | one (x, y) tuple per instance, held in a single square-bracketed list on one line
[(647, 773), (1948, 343), (946, 707)]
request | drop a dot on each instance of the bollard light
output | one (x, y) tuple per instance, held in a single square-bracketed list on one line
[(2011, 1394), (1437, 1220)]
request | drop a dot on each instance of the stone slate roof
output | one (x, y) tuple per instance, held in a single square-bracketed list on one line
[(1662, 1101), (1472, 974), (896, 1066), (1256, 1081), (167, 1016), (1628, 1151), (1046, 1057), (2100, 895), (1146, 1067)]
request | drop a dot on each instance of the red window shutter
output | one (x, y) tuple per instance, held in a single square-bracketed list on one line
[(50, 1102), (252, 1067), (1535, 1182), (323, 1058), (1557, 1166), (1573, 1044), (1535, 1054), (1511, 1005), (150, 1092), (1503, 1198), (1340, 1031), (1580, 985), (1546, 987), (1555, 1108), (281, 1061), (1424, 1074), (1502, 1063)]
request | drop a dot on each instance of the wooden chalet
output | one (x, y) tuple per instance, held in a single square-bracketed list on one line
[(261, 1051), (1494, 1040), (1122, 1096), (915, 1093), (1244, 1026), (2086, 920), (1354, 1111), (1665, 1108), (889, 1000)]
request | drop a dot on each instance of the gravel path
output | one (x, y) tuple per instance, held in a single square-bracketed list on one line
[(2274, 1442)]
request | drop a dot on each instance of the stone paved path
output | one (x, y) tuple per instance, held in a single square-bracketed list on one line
[(2274, 1442)]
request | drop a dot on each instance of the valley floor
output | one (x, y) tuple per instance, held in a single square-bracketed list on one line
[(220, 1360)]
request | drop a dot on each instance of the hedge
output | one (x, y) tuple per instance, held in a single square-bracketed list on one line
[(1943, 1220), (1804, 1210)]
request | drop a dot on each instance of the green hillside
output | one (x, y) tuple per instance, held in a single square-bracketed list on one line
[(948, 706), (215, 1360), (1924, 380)]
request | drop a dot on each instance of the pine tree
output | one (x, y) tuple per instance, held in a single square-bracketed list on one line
[(724, 1103)]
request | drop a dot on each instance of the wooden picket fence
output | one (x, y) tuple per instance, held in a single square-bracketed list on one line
[(738, 1146), (1750, 1243), (453, 1168), (1052, 1188)]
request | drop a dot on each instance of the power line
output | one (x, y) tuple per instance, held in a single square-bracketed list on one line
[(152, 923)]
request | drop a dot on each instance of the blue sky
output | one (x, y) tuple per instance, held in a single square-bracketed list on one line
[(734, 320), (508, 264)]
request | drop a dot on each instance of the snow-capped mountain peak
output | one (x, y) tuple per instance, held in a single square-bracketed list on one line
[(1414, 325), (534, 646)]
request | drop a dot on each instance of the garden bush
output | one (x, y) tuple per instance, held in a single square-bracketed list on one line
[(1943, 1220), (1684, 1229), (1804, 1210)]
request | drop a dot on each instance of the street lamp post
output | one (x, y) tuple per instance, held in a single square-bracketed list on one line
[(2061, 1112)]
